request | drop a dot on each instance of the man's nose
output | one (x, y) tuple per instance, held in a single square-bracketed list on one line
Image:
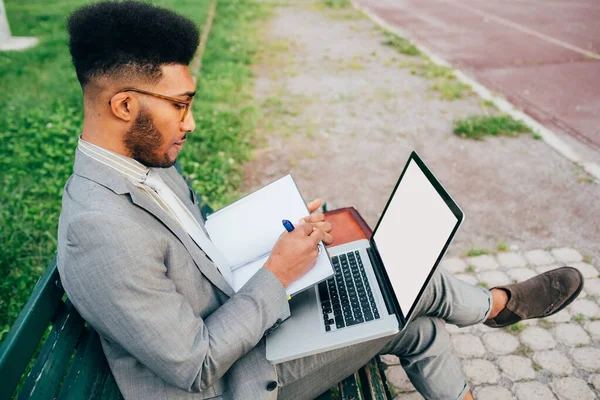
[(188, 124)]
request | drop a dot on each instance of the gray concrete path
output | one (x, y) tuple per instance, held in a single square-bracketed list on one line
[(342, 112)]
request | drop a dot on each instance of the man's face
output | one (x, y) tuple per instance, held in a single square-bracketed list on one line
[(157, 135)]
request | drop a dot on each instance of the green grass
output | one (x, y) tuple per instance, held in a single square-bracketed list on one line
[(524, 350), (477, 126), (579, 318), (402, 46), (516, 328), (41, 118), (451, 89), (337, 3), (502, 246), (476, 252), (544, 323)]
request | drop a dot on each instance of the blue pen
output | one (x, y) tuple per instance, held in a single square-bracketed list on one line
[(287, 225)]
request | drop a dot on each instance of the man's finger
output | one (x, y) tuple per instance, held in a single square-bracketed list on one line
[(316, 236), (316, 217), (327, 238), (324, 226), (314, 205), (306, 228)]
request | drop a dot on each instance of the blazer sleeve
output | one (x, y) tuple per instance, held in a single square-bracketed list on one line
[(114, 273)]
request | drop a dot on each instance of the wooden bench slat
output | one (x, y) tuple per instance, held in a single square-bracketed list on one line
[(47, 372), (82, 379), (373, 381), (350, 388), (27, 331)]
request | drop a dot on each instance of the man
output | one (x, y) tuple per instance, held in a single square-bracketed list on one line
[(136, 262)]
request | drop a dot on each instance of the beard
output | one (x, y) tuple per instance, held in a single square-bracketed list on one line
[(144, 141)]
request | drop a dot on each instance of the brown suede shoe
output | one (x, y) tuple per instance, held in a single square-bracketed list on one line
[(540, 296)]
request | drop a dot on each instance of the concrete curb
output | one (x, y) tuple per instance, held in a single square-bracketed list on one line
[(503, 105)]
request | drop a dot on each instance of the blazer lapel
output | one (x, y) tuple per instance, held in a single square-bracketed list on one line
[(204, 264), (110, 178)]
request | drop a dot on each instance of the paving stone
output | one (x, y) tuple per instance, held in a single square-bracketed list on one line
[(571, 334), (454, 265), (409, 396), (482, 328), (494, 278), (467, 278), (566, 254), (545, 268), (500, 342), (511, 260), (468, 346), (516, 368), (539, 257), (480, 371), (592, 287), (533, 391), (398, 378), (593, 327), (554, 362), (537, 338), (520, 274), (595, 381), (482, 263), (390, 359), (529, 322), (561, 316), (585, 307), (587, 358), (572, 388), (587, 270), (493, 393)]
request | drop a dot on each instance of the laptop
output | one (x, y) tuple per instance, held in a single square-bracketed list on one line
[(377, 282)]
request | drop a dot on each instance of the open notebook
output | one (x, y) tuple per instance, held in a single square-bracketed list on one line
[(246, 231)]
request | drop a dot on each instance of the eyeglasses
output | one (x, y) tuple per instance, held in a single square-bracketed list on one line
[(187, 104)]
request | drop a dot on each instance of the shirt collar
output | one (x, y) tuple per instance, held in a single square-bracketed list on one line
[(127, 166)]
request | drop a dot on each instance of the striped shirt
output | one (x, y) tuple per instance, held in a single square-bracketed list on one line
[(131, 169)]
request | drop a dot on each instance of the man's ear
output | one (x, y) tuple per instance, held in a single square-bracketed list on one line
[(123, 106)]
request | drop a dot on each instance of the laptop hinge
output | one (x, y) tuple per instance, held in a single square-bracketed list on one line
[(381, 280)]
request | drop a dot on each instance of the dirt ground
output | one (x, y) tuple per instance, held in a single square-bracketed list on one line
[(342, 113)]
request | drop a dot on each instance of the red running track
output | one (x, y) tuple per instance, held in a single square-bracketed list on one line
[(543, 55)]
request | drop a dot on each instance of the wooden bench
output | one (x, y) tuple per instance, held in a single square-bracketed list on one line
[(50, 350)]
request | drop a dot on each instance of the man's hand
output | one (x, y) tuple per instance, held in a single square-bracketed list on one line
[(318, 219), (313, 205), (295, 253)]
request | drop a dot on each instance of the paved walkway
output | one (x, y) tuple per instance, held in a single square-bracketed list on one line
[(554, 357), (342, 112)]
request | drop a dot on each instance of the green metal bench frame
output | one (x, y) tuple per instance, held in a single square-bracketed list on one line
[(70, 363)]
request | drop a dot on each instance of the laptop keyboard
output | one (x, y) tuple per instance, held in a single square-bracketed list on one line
[(346, 298)]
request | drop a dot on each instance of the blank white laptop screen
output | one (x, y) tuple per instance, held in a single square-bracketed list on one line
[(415, 228)]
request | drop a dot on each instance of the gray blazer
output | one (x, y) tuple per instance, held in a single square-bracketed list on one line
[(170, 325)]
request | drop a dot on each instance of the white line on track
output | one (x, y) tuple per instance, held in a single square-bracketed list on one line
[(521, 28)]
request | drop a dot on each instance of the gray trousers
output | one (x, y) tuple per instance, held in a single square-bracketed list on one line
[(424, 347)]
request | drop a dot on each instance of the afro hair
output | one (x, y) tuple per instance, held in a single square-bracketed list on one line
[(128, 38)]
